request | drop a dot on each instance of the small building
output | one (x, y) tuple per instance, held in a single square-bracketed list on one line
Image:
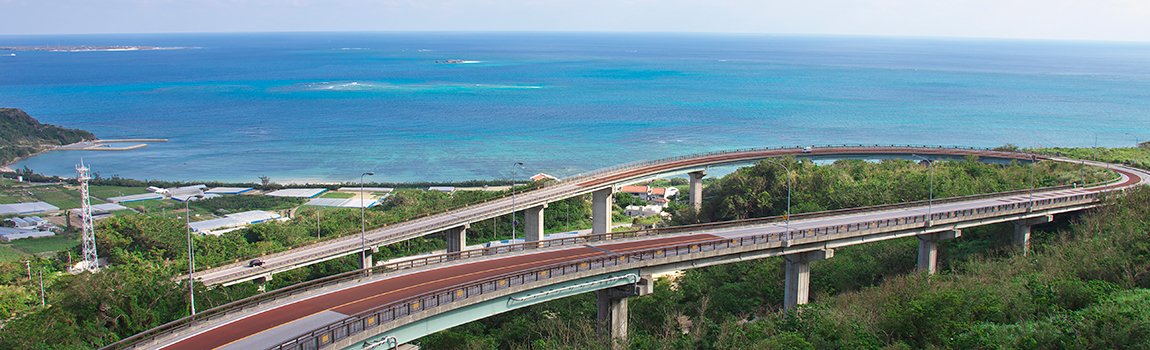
[(228, 190), (33, 223), (638, 191), (183, 192), (344, 202), (366, 189), (298, 192), (36, 222), (650, 193), (136, 198), (18, 223), (101, 211), (664, 192), (193, 197), (27, 208), (541, 177), (8, 234)]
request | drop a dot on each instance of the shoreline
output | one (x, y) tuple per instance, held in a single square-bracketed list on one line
[(93, 145)]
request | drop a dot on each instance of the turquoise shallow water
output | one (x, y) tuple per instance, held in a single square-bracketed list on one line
[(326, 107)]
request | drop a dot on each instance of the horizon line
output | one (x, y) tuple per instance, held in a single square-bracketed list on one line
[(701, 33)]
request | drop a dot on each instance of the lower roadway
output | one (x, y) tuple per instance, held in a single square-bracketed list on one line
[(250, 332), (261, 329)]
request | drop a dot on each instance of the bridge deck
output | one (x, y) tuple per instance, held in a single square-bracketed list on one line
[(311, 254), (330, 304), (366, 296)]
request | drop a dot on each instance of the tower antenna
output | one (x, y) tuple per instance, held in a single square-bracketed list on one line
[(88, 235)]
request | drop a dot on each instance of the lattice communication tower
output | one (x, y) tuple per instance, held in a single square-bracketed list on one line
[(91, 259)]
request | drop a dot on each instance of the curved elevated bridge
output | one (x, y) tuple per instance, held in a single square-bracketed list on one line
[(397, 303), (601, 184)]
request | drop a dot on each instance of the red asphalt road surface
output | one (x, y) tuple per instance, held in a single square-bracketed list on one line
[(365, 297)]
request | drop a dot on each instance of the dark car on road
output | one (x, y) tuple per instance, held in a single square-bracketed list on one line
[(255, 263)]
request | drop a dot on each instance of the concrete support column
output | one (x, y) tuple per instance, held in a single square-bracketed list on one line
[(613, 313), (798, 276), (928, 249), (366, 260), (262, 282), (456, 238), (601, 204), (533, 219), (1022, 231), (696, 195)]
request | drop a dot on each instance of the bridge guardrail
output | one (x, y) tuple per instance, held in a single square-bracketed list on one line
[(419, 219), (349, 241), (378, 316)]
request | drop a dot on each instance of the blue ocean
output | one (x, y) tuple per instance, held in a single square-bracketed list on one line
[(459, 106)]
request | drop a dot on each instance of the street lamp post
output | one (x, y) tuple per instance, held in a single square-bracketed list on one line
[(363, 221), (513, 223), (1033, 163), (787, 216), (1136, 139), (191, 252), (930, 195)]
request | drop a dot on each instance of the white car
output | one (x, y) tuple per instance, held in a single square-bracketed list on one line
[(807, 149)]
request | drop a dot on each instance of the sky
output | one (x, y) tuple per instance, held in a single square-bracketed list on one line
[(1109, 20)]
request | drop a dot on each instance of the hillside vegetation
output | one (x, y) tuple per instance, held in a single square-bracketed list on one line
[(21, 135), (715, 306)]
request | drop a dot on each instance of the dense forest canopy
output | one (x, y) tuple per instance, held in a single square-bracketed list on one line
[(21, 135)]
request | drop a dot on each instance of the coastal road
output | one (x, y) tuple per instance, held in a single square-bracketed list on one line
[(327, 250)]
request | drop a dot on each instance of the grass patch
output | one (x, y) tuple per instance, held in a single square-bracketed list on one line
[(9, 254), (62, 197), (6, 199), (114, 191), (337, 195), (46, 244), (1137, 156), (167, 208)]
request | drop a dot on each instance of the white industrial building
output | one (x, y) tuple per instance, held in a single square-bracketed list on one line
[(298, 192), (27, 208), (233, 222)]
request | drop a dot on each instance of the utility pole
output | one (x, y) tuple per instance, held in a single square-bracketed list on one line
[(42, 303)]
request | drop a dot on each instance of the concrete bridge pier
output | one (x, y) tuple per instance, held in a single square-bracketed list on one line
[(456, 238), (1022, 231), (696, 190), (366, 260), (928, 249), (601, 204), (798, 276), (613, 311), (533, 223)]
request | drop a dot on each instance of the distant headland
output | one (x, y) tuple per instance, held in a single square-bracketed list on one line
[(22, 136), (88, 48)]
